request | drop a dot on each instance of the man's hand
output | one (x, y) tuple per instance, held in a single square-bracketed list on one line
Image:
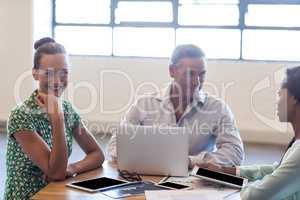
[(219, 168), (211, 166), (71, 170)]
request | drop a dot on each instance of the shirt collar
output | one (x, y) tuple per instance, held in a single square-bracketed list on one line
[(32, 105), (200, 96)]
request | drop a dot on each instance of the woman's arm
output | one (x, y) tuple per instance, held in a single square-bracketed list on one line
[(94, 155), (53, 162), (256, 172), (251, 172), (282, 183), (270, 184)]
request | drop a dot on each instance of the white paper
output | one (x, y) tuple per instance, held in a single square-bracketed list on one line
[(189, 180), (203, 194)]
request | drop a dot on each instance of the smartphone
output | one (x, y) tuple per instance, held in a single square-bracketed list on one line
[(98, 184), (220, 177), (174, 186)]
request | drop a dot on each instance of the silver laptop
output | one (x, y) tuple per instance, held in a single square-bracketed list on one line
[(152, 150)]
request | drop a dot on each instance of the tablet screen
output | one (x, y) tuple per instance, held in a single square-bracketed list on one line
[(220, 176), (99, 183)]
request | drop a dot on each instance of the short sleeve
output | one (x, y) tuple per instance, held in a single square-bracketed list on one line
[(73, 116), (18, 121)]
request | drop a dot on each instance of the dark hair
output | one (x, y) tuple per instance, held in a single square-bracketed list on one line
[(292, 82), (48, 46), (186, 51)]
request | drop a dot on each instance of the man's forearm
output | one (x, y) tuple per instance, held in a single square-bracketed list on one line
[(229, 170)]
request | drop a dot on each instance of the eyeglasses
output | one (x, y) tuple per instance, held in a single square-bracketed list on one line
[(129, 176)]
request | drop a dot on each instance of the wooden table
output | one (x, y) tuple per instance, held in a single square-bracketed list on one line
[(58, 190)]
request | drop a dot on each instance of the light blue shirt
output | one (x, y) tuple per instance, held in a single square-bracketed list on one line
[(273, 182), (214, 136)]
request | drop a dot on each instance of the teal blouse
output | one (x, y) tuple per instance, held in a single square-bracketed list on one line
[(273, 182)]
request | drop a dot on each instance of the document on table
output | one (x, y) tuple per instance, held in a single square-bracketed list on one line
[(202, 194), (132, 189)]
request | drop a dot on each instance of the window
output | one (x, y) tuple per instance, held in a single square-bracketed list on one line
[(154, 42), (144, 12), (82, 11), (224, 29), (271, 44), (208, 13), (85, 40), (277, 15), (216, 43)]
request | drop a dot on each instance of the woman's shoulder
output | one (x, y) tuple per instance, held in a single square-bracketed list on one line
[(20, 119), (26, 108), (71, 114), (293, 154), (68, 107), (296, 146), (20, 110)]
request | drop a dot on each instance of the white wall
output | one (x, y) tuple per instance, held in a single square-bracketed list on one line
[(248, 87), (15, 49), (233, 81)]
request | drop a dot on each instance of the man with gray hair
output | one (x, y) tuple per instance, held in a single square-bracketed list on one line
[(214, 136)]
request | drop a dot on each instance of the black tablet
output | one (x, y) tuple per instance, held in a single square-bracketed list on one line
[(98, 184), (219, 177)]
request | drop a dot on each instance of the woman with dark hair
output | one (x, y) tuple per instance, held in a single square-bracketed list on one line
[(41, 129), (277, 182)]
